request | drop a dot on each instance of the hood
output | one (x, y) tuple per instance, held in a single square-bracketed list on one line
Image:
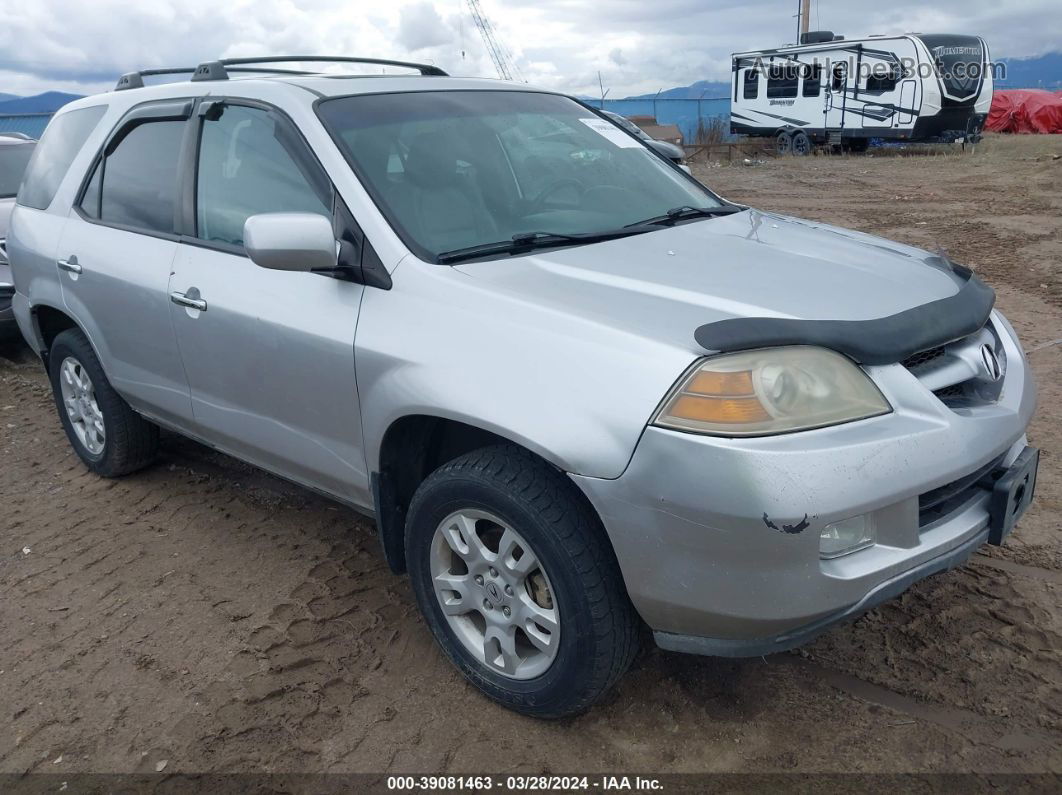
[(667, 149), (664, 285)]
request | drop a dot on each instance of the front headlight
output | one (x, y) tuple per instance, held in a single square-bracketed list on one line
[(769, 391)]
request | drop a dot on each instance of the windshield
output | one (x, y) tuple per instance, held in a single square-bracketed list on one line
[(13, 160), (456, 169)]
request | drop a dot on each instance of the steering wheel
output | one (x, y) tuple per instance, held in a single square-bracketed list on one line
[(538, 203), (616, 195)]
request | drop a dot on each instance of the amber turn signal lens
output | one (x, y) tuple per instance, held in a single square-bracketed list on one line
[(769, 391), (721, 410), (716, 384)]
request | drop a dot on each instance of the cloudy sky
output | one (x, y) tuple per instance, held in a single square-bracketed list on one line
[(638, 46)]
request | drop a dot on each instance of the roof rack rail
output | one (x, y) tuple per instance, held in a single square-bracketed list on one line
[(218, 70), (136, 79)]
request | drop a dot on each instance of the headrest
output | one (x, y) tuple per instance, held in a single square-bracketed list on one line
[(432, 161)]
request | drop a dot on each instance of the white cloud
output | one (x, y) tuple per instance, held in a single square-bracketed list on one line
[(83, 45), (420, 26)]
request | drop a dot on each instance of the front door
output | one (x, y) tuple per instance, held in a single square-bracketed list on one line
[(269, 354)]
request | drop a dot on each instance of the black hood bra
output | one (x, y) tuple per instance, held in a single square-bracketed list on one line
[(885, 340)]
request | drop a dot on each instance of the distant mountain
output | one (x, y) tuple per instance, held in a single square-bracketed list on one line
[(5, 97), (48, 102), (1044, 71), (702, 88)]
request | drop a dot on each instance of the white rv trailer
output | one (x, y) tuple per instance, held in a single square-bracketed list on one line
[(913, 86)]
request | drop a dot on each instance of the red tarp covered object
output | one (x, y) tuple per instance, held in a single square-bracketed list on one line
[(1026, 110)]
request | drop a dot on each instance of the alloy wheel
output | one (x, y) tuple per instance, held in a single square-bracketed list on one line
[(495, 594), (79, 400)]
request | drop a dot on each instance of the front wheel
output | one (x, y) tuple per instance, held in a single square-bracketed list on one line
[(518, 583)]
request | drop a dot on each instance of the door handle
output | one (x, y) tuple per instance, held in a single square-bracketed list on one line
[(192, 303), (69, 265)]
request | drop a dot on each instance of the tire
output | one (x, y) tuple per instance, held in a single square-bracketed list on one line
[(508, 493), (128, 442), (783, 143), (857, 145), (801, 145)]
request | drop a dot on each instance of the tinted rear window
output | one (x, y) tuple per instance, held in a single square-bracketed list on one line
[(13, 160), (140, 179), (58, 147)]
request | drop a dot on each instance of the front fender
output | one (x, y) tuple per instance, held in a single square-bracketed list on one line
[(578, 392)]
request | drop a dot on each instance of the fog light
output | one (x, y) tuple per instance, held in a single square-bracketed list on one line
[(848, 535)]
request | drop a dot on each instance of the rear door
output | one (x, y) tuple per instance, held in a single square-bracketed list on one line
[(269, 354), (836, 96), (116, 253)]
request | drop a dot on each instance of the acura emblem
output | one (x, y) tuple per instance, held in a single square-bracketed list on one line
[(991, 362)]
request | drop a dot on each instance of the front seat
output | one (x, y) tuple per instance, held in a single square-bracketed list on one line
[(447, 208)]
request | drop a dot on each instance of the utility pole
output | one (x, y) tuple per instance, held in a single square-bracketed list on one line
[(805, 18)]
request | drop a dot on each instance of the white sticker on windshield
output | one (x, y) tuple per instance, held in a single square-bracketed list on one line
[(608, 130)]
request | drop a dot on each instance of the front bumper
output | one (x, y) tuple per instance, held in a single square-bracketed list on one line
[(688, 518)]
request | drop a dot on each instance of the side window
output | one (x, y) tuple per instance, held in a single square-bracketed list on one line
[(812, 74), (14, 157), (90, 202), (136, 185), (782, 82), (879, 82), (59, 145), (250, 162), (840, 75), (751, 84)]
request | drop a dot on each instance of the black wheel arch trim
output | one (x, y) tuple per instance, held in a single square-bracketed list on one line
[(883, 340)]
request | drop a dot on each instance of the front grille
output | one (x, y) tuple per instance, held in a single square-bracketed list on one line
[(923, 357), (937, 503), (955, 373), (953, 391)]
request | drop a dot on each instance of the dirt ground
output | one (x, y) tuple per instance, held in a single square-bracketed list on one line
[(204, 614)]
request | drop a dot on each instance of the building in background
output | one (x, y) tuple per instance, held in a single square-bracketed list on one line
[(30, 115), (31, 124)]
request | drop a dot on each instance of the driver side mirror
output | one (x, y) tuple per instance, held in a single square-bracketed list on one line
[(291, 241)]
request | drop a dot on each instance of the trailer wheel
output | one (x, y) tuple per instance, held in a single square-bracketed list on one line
[(801, 144), (783, 144)]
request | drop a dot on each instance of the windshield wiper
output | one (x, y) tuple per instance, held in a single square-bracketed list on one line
[(526, 241), (687, 211)]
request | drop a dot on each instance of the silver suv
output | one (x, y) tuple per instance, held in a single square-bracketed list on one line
[(580, 393)]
